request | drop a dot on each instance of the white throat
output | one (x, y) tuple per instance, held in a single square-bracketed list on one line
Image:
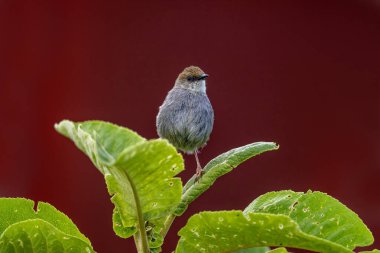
[(199, 86), (202, 86)]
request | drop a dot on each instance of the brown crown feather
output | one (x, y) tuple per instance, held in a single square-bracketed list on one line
[(192, 71)]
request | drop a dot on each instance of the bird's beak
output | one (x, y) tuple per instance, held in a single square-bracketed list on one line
[(203, 76)]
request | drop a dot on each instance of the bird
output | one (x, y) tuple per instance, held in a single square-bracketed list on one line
[(186, 117)]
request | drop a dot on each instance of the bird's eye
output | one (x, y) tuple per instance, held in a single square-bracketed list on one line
[(190, 78)]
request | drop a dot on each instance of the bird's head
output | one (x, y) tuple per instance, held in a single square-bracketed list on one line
[(192, 78)]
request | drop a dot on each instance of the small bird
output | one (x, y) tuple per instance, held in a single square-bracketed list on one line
[(186, 117)]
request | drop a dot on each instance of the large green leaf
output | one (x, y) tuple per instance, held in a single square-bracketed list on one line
[(219, 166), (101, 141), (312, 221), (139, 174), (145, 170), (317, 214), (46, 230), (228, 231)]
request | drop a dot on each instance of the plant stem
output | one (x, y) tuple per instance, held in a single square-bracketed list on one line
[(141, 239), (168, 222)]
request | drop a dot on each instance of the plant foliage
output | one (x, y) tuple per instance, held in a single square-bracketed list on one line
[(45, 230), (312, 221), (141, 178)]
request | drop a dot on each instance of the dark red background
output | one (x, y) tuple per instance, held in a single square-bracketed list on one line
[(302, 73)]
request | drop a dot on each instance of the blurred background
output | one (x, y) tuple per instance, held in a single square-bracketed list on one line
[(302, 73)]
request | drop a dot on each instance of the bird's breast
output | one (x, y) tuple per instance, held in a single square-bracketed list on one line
[(186, 119)]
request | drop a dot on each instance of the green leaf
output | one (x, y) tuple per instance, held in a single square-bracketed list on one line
[(46, 230), (372, 251), (150, 166), (228, 231), (312, 221), (101, 141), (120, 230), (219, 166), (139, 174), (317, 214), (146, 172)]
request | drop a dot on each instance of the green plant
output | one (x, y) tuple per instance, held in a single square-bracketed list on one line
[(45, 230), (141, 178)]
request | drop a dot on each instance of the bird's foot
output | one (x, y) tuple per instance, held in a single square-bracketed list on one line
[(199, 173)]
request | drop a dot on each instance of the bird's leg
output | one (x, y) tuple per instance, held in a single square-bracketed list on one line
[(199, 170)]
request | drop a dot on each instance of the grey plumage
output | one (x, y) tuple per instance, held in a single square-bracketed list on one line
[(186, 117)]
